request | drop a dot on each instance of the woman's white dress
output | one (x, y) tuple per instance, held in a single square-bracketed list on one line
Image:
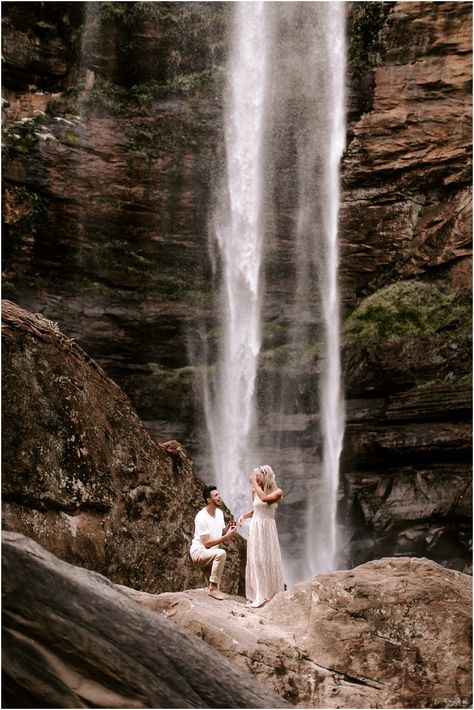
[(263, 574)]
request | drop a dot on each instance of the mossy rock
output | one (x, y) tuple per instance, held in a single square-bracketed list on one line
[(408, 308)]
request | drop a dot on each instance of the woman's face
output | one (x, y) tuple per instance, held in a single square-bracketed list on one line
[(258, 476)]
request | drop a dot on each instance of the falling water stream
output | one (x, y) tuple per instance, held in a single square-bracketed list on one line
[(309, 78), (319, 88), (332, 415), (238, 231)]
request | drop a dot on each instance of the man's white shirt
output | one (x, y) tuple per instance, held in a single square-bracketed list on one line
[(205, 524)]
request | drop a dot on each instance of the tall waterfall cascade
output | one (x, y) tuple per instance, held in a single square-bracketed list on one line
[(238, 231), (287, 64), (321, 147)]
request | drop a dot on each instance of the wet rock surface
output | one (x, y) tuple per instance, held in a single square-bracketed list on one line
[(81, 474), (391, 633), (406, 463), (72, 639)]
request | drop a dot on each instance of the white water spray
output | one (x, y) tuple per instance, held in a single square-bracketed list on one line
[(238, 231), (320, 155), (308, 77)]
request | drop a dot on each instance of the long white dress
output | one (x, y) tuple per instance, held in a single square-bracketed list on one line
[(263, 573)]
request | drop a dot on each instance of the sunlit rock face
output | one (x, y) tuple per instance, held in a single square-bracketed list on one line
[(106, 232), (389, 633), (81, 474)]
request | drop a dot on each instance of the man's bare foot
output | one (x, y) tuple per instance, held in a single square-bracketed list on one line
[(216, 594)]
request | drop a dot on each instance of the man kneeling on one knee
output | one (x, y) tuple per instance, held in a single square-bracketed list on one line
[(209, 533)]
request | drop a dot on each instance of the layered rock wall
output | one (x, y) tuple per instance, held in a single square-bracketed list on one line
[(407, 214), (406, 209), (106, 232)]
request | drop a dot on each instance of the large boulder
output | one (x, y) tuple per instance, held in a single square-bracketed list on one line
[(71, 639), (81, 474), (395, 632)]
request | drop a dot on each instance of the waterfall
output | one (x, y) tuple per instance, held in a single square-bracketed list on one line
[(238, 225), (286, 74), (321, 142)]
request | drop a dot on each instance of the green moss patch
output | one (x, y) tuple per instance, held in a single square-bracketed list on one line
[(409, 308)]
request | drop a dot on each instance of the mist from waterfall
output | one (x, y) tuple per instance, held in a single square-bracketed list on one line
[(286, 77), (238, 229), (318, 87), (323, 554)]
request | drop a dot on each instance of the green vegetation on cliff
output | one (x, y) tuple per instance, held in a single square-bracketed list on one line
[(161, 50), (368, 26), (408, 308)]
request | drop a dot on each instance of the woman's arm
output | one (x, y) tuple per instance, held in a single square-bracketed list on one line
[(245, 515), (272, 497)]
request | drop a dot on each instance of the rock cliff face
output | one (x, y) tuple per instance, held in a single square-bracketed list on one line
[(82, 476), (106, 232), (406, 174)]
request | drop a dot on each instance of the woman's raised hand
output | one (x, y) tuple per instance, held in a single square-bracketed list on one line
[(241, 520)]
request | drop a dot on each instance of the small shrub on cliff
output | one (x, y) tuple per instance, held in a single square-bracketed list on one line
[(19, 137), (409, 308)]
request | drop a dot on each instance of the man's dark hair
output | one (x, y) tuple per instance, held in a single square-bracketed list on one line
[(207, 492)]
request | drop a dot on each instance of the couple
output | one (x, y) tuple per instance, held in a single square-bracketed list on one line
[(263, 574)]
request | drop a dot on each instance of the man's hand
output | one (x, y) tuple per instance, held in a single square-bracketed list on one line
[(231, 530)]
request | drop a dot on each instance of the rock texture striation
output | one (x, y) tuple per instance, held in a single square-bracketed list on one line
[(407, 453), (72, 639), (390, 633), (406, 174), (82, 476)]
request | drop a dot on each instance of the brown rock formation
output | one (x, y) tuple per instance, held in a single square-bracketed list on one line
[(390, 633), (71, 639), (408, 447), (407, 182), (82, 476), (407, 212)]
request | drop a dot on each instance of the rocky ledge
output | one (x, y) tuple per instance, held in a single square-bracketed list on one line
[(391, 633), (72, 639)]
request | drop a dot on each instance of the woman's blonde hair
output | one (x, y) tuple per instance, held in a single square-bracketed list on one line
[(268, 478)]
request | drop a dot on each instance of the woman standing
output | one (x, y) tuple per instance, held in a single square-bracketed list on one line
[(263, 574)]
